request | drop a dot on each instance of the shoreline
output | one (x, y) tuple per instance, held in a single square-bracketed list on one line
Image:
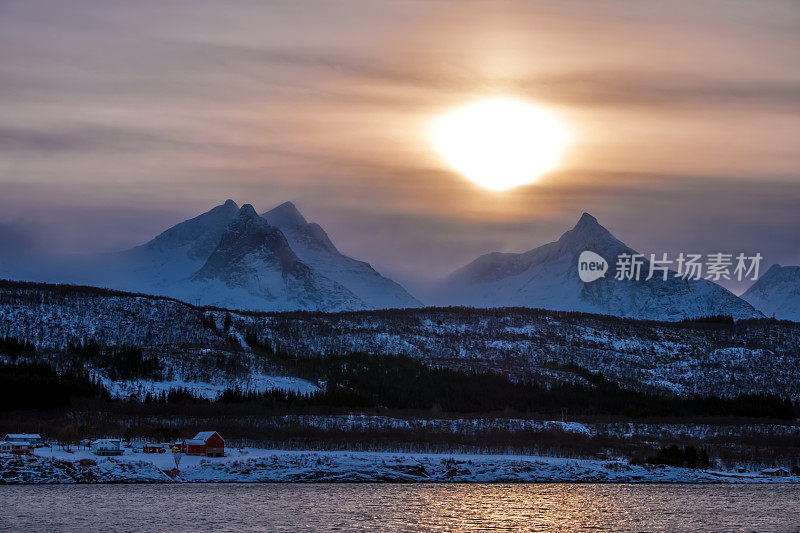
[(292, 466)]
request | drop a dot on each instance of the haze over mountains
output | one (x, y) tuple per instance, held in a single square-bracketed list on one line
[(232, 257)]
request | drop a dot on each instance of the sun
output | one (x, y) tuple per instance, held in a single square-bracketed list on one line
[(500, 143)]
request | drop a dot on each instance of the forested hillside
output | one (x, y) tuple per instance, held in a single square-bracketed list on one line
[(718, 356)]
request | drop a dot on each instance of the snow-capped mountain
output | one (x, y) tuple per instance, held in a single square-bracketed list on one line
[(777, 293), (231, 257), (254, 266), (312, 245), (547, 277)]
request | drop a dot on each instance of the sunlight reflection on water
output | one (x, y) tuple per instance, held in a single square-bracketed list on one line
[(399, 507)]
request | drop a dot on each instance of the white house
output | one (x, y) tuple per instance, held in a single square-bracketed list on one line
[(33, 439), (17, 447), (107, 447)]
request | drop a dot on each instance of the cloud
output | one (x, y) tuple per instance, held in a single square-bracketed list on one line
[(172, 106), (83, 137), (657, 87), (666, 89)]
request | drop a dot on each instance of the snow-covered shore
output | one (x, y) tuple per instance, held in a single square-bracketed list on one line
[(256, 465)]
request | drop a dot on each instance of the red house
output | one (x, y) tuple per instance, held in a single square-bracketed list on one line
[(208, 443), (154, 448)]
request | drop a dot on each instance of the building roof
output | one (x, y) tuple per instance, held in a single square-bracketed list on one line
[(28, 436), (205, 435), (196, 442), (101, 442)]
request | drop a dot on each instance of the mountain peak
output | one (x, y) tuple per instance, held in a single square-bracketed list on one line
[(588, 233), (285, 215), (230, 203), (587, 219), (587, 224), (247, 211)]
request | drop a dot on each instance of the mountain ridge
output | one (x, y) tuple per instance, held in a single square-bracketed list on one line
[(296, 266)]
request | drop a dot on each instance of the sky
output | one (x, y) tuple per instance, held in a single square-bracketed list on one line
[(119, 119)]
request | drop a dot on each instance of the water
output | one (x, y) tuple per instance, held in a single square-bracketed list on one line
[(368, 507)]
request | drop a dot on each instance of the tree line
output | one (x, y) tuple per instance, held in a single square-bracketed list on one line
[(401, 382), (27, 386), (687, 457), (369, 381), (118, 362)]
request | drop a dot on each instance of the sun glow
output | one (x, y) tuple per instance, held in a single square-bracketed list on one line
[(500, 143)]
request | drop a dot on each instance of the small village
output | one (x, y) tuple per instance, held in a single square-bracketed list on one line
[(171, 458), (205, 444)]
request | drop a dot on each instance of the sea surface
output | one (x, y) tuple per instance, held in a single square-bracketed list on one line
[(399, 507)]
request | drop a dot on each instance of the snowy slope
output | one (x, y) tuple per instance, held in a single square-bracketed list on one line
[(777, 293), (199, 235), (547, 277), (170, 257), (681, 358), (312, 245)]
